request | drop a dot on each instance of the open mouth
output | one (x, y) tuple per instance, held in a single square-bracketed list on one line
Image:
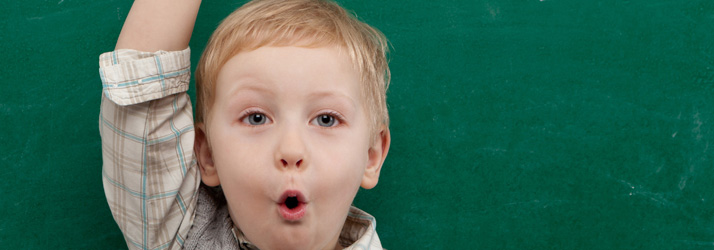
[(292, 202), (292, 205)]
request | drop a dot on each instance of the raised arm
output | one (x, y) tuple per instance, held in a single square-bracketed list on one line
[(154, 25), (149, 173)]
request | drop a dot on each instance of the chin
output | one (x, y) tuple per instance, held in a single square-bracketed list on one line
[(293, 238), (285, 244)]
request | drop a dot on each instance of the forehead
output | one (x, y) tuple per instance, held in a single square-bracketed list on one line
[(290, 70)]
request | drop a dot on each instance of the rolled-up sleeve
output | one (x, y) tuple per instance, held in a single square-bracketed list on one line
[(146, 125)]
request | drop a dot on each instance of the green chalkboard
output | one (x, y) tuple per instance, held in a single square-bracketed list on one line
[(516, 124)]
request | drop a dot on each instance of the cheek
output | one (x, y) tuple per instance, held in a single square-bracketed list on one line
[(340, 166), (241, 164), (238, 163), (243, 171)]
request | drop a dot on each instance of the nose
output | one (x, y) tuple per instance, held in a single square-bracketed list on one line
[(291, 150)]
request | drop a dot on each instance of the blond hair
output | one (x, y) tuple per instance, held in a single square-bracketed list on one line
[(305, 23)]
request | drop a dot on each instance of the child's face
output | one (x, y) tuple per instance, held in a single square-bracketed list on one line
[(290, 122)]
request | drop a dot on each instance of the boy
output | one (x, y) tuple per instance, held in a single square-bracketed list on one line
[(291, 121)]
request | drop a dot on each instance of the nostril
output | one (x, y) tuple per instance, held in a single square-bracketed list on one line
[(286, 163)]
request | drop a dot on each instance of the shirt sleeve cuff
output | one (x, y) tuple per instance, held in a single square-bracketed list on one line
[(131, 76)]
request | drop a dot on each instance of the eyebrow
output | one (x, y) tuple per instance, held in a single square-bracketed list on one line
[(267, 92), (251, 87), (238, 95), (328, 94)]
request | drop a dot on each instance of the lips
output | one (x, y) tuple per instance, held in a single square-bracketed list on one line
[(291, 205)]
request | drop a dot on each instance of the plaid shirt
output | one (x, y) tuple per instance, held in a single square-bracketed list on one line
[(150, 174)]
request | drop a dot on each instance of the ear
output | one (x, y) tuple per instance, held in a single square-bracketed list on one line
[(202, 149), (376, 153)]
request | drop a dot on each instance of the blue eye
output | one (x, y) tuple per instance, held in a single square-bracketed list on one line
[(326, 120), (256, 119)]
